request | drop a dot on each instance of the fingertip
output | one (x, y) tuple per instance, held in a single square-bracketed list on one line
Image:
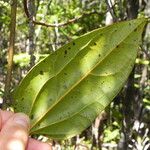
[(15, 132), (22, 119)]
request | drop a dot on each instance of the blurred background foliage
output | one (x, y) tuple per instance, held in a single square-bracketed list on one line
[(124, 124)]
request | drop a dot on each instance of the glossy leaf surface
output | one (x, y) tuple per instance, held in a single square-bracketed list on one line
[(65, 92)]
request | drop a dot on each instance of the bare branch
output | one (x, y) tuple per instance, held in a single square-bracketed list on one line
[(56, 25), (110, 9), (26, 8), (65, 23)]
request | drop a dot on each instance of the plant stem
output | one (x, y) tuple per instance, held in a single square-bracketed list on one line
[(10, 54)]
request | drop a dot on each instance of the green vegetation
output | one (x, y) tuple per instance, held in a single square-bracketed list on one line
[(101, 60)]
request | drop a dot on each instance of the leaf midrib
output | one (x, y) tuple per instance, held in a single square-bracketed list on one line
[(83, 76), (68, 117), (56, 122), (58, 72)]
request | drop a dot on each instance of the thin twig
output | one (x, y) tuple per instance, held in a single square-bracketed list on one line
[(26, 8), (65, 23), (59, 24), (10, 54)]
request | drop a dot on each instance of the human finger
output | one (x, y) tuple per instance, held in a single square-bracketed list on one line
[(4, 116), (37, 145), (14, 134)]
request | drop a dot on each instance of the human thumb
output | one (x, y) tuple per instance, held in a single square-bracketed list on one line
[(14, 134)]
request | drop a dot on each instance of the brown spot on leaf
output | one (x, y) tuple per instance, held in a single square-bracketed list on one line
[(39, 125), (65, 73), (65, 52), (41, 72), (135, 30), (32, 117)]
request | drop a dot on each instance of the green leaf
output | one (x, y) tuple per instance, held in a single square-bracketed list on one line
[(111, 135), (65, 92)]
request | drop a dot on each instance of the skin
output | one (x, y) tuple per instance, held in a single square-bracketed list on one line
[(14, 133)]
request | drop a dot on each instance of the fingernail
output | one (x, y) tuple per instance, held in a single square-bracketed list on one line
[(22, 120)]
